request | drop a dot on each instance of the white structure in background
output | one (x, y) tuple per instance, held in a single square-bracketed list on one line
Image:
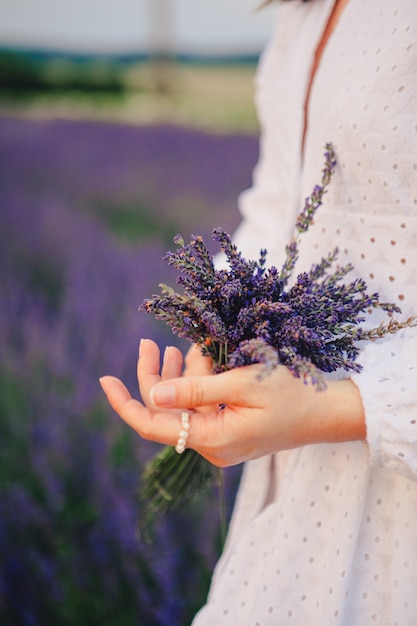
[(118, 26), (161, 45), (161, 27)]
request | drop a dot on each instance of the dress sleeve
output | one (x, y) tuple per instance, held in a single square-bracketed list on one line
[(268, 207), (383, 251), (264, 222), (388, 387)]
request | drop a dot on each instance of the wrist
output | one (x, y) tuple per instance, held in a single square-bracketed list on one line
[(336, 414)]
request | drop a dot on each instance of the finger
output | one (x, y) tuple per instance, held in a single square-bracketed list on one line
[(196, 364), (163, 427), (172, 363), (116, 392), (233, 387), (148, 368)]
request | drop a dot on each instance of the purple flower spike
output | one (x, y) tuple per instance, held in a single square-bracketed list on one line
[(246, 314)]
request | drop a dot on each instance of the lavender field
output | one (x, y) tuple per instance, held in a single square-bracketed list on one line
[(87, 211)]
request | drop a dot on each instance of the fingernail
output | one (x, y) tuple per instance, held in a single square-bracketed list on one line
[(166, 352), (163, 395)]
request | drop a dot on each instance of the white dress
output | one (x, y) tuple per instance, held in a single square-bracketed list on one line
[(326, 535)]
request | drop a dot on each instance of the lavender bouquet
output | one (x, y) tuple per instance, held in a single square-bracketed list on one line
[(250, 314)]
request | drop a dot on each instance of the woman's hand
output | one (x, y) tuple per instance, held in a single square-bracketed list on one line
[(258, 418)]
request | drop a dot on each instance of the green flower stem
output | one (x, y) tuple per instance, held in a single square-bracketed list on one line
[(170, 479)]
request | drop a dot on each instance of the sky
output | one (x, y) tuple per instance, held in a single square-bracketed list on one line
[(202, 26)]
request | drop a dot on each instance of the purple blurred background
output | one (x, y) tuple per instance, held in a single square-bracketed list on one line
[(87, 211)]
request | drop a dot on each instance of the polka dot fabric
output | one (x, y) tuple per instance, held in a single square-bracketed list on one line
[(325, 535)]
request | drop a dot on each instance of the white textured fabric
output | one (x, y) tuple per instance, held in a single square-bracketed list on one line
[(326, 535)]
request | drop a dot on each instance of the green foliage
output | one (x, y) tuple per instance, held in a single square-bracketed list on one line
[(134, 223), (22, 73), (18, 72)]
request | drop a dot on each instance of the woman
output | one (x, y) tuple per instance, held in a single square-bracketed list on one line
[(322, 532)]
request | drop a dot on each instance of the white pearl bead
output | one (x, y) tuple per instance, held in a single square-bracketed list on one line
[(183, 435)]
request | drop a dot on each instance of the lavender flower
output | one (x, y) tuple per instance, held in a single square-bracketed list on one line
[(249, 314)]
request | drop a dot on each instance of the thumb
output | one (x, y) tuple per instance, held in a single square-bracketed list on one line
[(197, 391)]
